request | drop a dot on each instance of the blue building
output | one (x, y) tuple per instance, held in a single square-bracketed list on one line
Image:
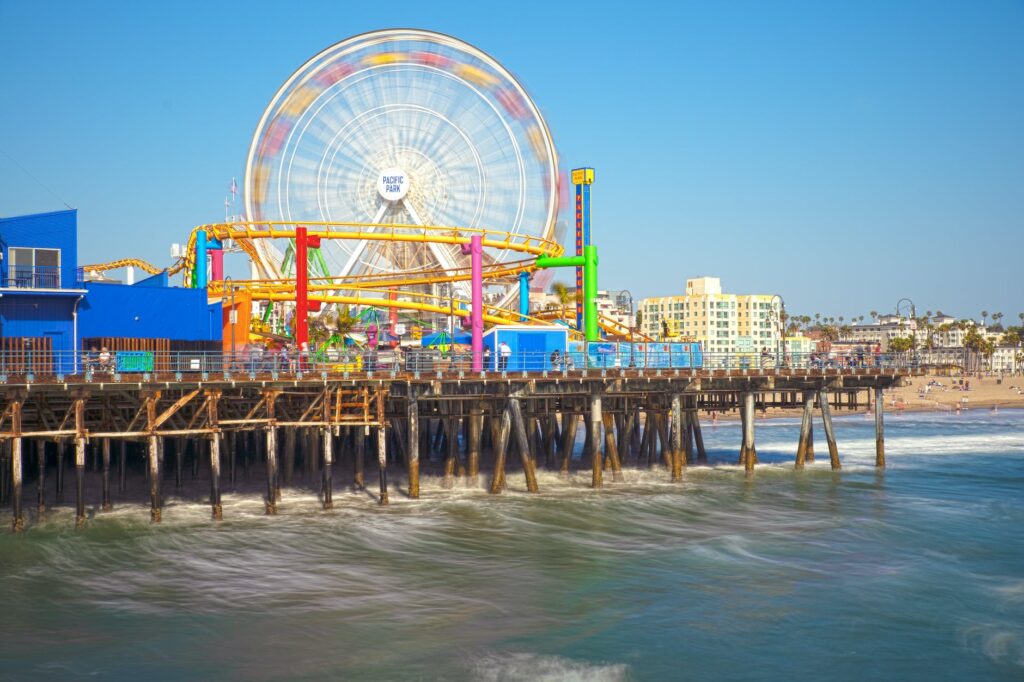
[(40, 292), (49, 316), (531, 347)]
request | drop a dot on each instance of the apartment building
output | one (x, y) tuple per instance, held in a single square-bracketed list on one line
[(723, 323)]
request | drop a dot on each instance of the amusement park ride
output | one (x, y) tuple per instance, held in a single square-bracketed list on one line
[(398, 170)]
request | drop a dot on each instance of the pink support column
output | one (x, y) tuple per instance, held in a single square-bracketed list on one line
[(475, 249), (217, 265), (301, 287)]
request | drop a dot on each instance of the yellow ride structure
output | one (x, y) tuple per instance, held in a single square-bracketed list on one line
[(377, 290)]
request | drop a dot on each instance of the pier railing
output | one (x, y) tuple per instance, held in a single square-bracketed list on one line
[(43, 365)]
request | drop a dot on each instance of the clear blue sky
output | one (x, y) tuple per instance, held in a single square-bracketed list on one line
[(843, 154)]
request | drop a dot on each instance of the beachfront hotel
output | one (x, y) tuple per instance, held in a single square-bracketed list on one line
[(723, 323)]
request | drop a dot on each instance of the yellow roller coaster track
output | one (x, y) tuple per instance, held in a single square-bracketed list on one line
[(373, 290)]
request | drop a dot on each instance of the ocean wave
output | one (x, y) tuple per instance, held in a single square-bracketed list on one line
[(529, 667), (1000, 642)]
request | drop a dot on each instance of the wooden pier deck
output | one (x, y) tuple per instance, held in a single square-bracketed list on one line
[(632, 417)]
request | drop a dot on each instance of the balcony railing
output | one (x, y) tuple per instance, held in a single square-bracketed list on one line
[(37, 277)]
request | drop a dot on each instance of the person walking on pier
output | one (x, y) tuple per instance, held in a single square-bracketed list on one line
[(104, 359), (504, 353)]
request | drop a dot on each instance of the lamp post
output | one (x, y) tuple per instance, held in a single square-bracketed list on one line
[(780, 315), (632, 321), (902, 305), (232, 316)]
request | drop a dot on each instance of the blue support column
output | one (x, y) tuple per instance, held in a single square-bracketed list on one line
[(200, 265), (524, 296)]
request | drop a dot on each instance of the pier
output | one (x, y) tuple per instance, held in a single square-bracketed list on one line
[(462, 425)]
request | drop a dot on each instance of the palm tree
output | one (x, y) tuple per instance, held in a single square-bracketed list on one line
[(1021, 316), (560, 290), (345, 322), (984, 317), (873, 314)]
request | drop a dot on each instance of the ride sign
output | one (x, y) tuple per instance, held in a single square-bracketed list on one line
[(393, 184)]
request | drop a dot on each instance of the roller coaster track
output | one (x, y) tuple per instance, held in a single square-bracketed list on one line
[(376, 290)]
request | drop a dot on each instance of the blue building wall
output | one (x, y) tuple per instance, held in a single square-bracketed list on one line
[(55, 230), (29, 310), (143, 311), (531, 346)]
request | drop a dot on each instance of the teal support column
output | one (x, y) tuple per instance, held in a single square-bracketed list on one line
[(200, 265), (524, 296)]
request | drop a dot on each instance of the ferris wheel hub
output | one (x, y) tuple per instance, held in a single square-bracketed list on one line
[(393, 184)]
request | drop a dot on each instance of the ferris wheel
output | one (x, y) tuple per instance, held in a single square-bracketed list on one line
[(400, 126)]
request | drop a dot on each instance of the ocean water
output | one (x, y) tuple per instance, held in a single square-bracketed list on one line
[(916, 573)]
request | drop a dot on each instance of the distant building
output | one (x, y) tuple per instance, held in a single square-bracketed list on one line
[(887, 328), (723, 323), (49, 316), (610, 304)]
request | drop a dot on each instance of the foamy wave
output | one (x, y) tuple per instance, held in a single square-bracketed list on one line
[(511, 667), (999, 642)]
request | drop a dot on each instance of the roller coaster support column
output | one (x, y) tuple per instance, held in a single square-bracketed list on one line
[(303, 242), (524, 296), (301, 286), (206, 245), (588, 261), (216, 260), (475, 250), (199, 274)]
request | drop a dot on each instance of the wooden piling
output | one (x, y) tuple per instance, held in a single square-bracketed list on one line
[(59, 489), (748, 451), (570, 425), (359, 476), (232, 443), (451, 444), (677, 457), (382, 462), (271, 499), (595, 438), (326, 484), (105, 493), (500, 451), (179, 457), (122, 466), (288, 470), (80, 442), (476, 428), (830, 435), (216, 510), (879, 429), (645, 442), (611, 447), (155, 502), (18, 520), (413, 444), (41, 482), (698, 436), (523, 443), (805, 427)]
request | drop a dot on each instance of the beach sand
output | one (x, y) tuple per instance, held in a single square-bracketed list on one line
[(944, 395)]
